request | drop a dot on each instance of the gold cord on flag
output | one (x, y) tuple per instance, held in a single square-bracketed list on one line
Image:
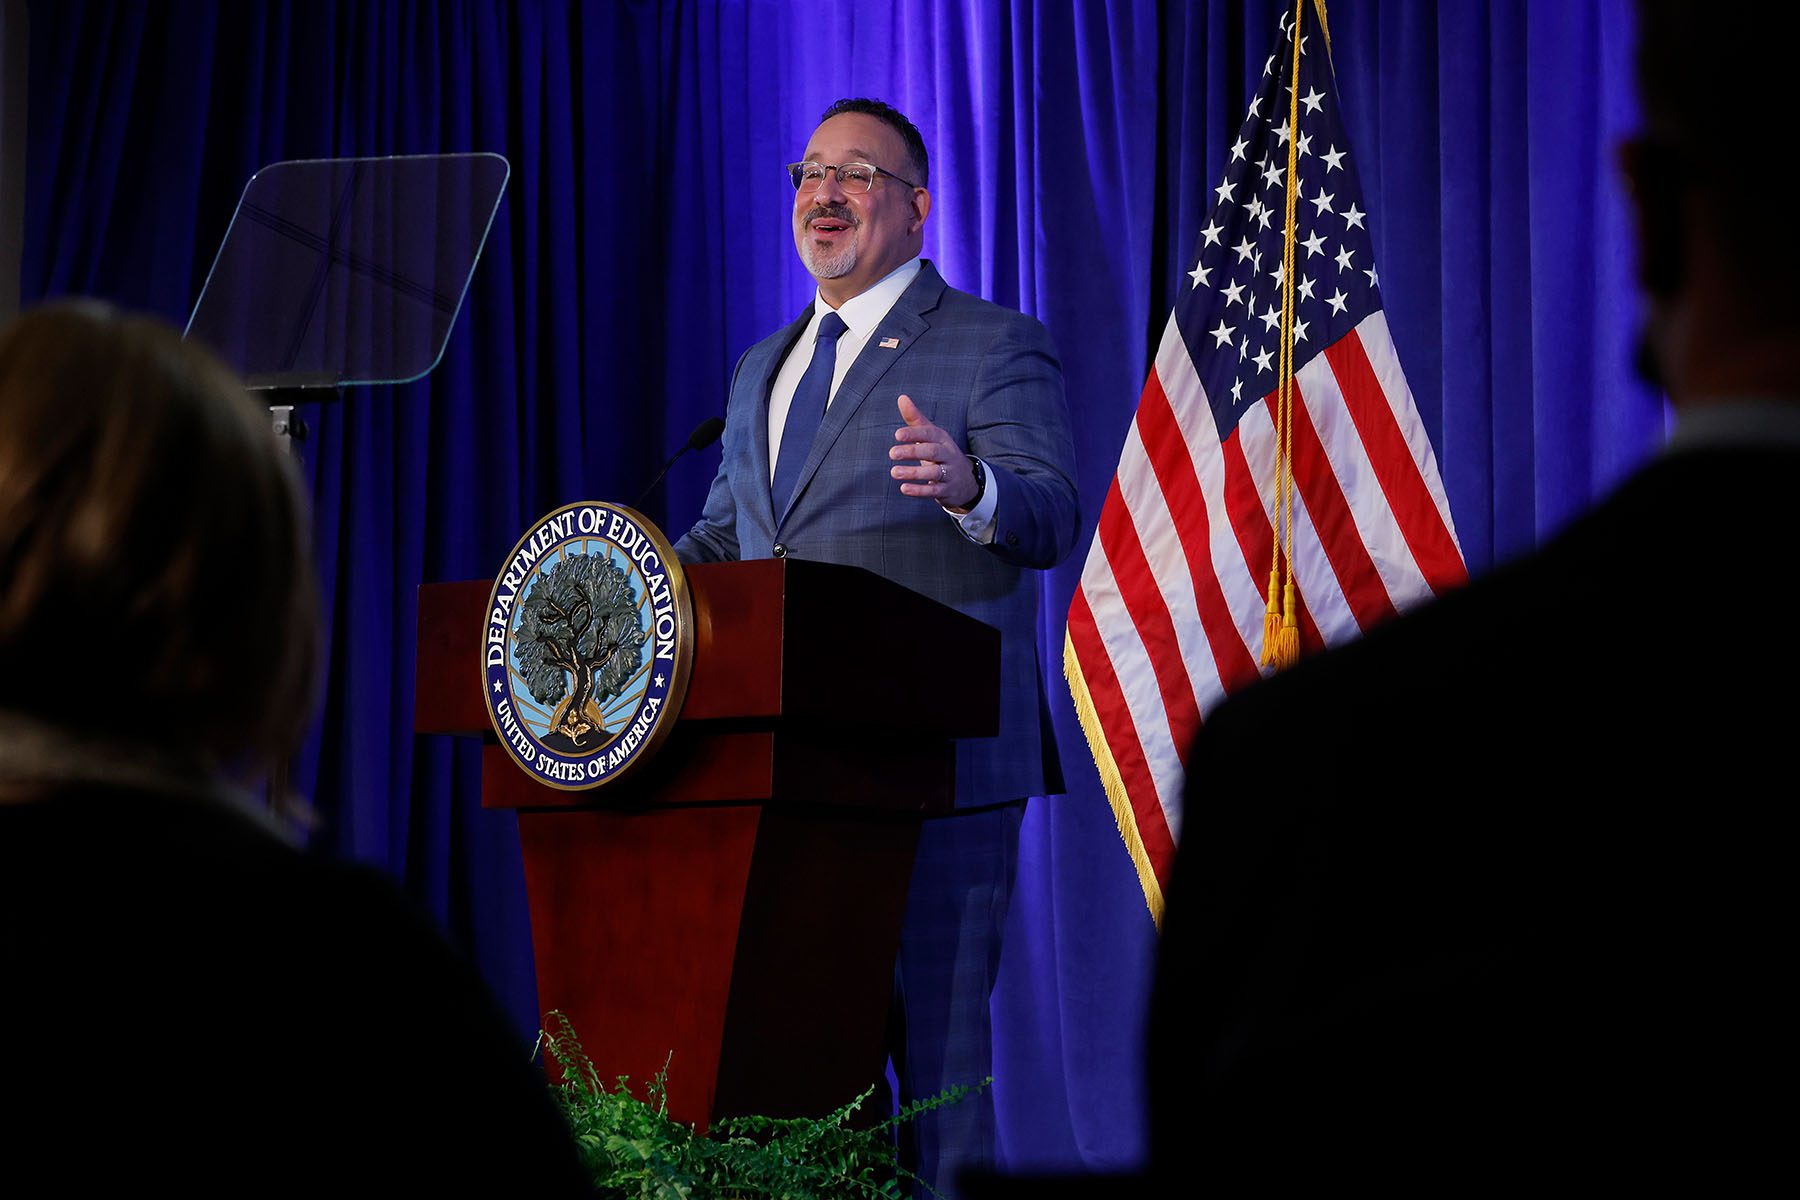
[(1281, 625)]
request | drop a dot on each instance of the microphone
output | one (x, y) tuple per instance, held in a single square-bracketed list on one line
[(704, 435)]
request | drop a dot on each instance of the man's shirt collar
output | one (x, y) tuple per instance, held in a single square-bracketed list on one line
[(864, 311)]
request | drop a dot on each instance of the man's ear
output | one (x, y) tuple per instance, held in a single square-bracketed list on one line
[(1653, 181), (921, 205)]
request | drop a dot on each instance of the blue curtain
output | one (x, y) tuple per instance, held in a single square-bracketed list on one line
[(644, 242)]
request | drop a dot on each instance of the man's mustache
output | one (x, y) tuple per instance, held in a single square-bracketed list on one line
[(836, 212)]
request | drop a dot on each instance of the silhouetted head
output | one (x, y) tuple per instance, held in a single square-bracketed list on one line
[(1714, 254), (155, 586)]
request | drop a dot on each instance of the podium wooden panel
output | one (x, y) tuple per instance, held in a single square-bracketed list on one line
[(737, 903)]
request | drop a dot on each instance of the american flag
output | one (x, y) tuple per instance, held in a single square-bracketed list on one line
[(1168, 619)]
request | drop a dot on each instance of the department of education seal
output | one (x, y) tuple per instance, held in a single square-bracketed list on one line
[(588, 646)]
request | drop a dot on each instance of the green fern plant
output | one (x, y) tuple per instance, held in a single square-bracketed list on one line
[(633, 1149)]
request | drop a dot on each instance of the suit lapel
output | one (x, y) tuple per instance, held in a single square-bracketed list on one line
[(904, 324), (759, 371)]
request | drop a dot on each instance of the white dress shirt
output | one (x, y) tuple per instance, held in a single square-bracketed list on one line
[(861, 314)]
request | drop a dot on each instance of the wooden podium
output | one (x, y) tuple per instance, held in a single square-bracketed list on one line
[(734, 907)]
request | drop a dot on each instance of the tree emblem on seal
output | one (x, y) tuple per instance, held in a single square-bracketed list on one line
[(580, 641)]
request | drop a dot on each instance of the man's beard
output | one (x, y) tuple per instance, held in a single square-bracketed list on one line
[(824, 262)]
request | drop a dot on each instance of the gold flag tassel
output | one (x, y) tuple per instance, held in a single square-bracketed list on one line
[(1272, 614), (1286, 639)]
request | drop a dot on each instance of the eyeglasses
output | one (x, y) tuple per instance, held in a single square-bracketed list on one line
[(852, 177)]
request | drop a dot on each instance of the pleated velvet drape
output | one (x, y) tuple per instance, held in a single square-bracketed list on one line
[(644, 242)]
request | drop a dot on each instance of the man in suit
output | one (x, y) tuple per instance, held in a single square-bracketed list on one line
[(1501, 892), (906, 427)]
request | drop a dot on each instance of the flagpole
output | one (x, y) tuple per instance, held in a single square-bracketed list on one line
[(1281, 638)]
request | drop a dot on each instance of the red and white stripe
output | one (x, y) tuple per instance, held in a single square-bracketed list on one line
[(1168, 619)]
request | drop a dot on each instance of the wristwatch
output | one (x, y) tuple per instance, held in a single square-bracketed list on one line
[(980, 479)]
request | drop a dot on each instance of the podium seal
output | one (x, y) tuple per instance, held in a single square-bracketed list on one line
[(588, 645)]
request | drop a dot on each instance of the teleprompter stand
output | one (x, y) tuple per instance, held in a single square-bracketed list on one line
[(343, 272)]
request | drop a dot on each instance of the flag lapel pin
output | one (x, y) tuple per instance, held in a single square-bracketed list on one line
[(890, 343)]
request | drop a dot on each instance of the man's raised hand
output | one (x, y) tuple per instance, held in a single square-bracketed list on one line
[(928, 463)]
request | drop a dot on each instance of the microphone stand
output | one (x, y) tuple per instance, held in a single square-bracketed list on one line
[(704, 435)]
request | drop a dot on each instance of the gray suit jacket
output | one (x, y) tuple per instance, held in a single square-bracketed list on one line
[(989, 377)]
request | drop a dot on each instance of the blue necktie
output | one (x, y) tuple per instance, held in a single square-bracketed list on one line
[(806, 411)]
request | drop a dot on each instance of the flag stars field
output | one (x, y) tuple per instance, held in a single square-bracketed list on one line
[(1257, 162)]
